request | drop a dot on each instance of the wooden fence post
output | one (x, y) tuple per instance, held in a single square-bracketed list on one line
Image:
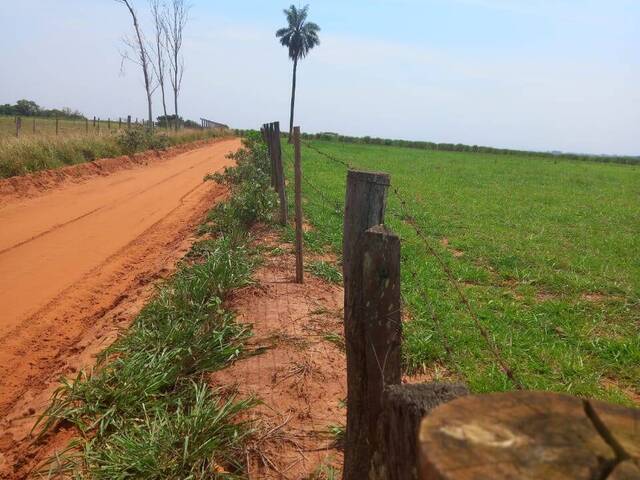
[(380, 315), (364, 208), (529, 435), (109, 123), (270, 143), (86, 125), (34, 125), (57, 127), (282, 192), (298, 198), (396, 451), (98, 126), (18, 126), (128, 122), (94, 121)]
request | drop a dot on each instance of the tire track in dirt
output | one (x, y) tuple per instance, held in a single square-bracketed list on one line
[(76, 265)]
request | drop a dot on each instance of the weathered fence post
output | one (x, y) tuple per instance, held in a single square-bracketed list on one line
[(86, 125), (380, 314), (109, 123), (282, 192), (34, 125), (529, 435), (98, 126), (119, 123), (128, 122), (298, 198), (18, 126), (270, 143), (396, 450), (94, 121), (364, 208), (274, 170), (57, 127)]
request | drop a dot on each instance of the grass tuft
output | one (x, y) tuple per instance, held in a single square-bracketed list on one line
[(326, 271)]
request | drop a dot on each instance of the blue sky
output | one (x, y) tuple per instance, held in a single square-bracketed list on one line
[(536, 74)]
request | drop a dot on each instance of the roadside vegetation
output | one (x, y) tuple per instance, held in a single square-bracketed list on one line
[(542, 248), (146, 410), (21, 156)]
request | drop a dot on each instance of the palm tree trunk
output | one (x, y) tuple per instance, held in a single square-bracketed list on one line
[(293, 98)]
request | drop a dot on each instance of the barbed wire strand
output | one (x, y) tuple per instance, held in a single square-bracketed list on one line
[(495, 351), (406, 217)]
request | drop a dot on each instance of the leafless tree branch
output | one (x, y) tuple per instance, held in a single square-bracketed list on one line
[(159, 47), (136, 51), (176, 18)]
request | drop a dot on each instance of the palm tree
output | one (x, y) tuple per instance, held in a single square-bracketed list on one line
[(299, 37)]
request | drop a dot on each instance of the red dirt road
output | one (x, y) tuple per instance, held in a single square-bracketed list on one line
[(76, 264)]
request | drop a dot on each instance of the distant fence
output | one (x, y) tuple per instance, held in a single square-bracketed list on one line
[(438, 431), (20, 126)]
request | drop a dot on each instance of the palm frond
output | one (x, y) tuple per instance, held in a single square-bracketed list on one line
[(299, 36)]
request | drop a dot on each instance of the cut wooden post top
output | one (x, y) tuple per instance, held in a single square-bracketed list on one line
[(529, 435), (370, 177)]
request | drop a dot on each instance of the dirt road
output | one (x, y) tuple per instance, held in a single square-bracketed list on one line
[(76, 264)]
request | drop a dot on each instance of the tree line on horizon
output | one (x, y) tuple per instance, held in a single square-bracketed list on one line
[(29, 108), (461, 147)]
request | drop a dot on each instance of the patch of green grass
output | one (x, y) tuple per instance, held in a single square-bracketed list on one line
[(337, 340), (325, 270), (146, 410), (529, 240), (337, 433)]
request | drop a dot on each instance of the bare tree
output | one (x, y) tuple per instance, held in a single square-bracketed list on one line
[(138, 48), (176, 18), (159, 48)]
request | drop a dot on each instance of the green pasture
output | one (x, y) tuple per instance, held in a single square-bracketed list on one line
[(546, 251)]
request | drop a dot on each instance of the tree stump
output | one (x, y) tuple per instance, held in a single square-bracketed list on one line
[(529, 435), (403, 407)]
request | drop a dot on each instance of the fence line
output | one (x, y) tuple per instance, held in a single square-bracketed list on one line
[(401, 431), (410, 220), (406, 217), (15, 126)]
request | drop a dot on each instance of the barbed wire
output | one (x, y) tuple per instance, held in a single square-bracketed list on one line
[(405, 217), (327, 156), (338, 204)]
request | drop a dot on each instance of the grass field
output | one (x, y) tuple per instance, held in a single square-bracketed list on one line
[(545, 250), (27, 154)]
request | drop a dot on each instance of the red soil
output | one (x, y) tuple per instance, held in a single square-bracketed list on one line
[(79, 253)]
